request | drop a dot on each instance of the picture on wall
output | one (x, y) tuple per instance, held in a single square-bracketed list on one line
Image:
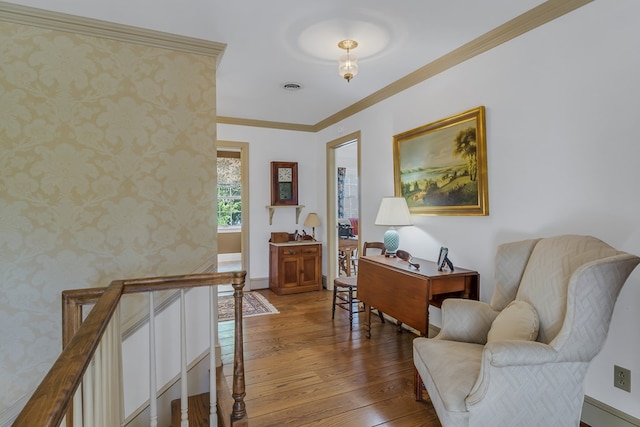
[(441, 168)]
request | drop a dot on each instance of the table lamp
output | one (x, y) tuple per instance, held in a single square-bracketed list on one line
[(393, 212), (312, 221)]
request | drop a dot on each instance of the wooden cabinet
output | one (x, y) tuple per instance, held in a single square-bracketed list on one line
[(295, 267)]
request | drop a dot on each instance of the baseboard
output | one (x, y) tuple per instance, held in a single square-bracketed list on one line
[(260, 283), (598, 414)]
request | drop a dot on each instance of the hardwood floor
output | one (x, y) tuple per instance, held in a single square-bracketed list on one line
[(303, 369)]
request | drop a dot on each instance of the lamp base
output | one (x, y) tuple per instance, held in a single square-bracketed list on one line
[(391, 241)]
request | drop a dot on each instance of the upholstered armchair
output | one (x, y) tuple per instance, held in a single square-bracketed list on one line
[(521, 359)]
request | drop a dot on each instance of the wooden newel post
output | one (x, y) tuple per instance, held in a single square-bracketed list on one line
[(239, 413)]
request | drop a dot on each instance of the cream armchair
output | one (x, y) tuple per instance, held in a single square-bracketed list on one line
[(521, 360)]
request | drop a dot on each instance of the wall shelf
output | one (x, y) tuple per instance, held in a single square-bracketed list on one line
[(272, 209)]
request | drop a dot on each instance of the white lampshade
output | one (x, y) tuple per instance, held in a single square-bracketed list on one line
[(393, 212), (312, 220)]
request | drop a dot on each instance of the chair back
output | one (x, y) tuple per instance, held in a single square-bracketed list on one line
[(373, 245), (570, 278)]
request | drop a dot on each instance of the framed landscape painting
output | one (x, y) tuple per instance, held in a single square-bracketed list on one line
[(441, 168)]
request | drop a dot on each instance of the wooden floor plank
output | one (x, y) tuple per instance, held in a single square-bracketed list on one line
[(303, 368)]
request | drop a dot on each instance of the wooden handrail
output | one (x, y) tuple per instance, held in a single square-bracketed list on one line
[(51, 399), (54, 395)]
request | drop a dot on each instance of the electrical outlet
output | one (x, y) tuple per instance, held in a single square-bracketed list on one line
[(622, 378)]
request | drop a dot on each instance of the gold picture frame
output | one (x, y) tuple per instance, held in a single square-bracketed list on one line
[(441, 168)]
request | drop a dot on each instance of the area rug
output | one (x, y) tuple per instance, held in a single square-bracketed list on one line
[(253, 304)]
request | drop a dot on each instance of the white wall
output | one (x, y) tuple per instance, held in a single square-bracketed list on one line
[(97, 166), (562, 141)]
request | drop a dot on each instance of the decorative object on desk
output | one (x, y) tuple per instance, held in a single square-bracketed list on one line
[(406, 256), (313, 221), (441, 255), (284, 183), (253, 304), (441, 168), (443, 259), (393, 212), (279, 237)]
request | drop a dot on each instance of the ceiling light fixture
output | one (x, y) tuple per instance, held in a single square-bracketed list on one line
[(348, 64)]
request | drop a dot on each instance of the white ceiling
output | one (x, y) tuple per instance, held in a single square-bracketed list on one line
[(273, 42)]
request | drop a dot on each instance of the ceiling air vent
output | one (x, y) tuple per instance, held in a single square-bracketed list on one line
[(291, 86)]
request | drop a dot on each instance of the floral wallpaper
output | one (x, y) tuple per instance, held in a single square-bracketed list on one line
[(107, 171)]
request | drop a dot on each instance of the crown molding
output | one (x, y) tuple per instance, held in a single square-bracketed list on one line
[(266, 124), (41, 18)]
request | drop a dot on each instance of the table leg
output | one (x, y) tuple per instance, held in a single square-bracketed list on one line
[(426, 333)]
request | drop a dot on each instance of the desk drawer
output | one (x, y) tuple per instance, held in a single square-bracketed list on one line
[(448, 285), (298, 250)]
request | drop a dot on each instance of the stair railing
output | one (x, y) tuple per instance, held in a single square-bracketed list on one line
[(62, 390)]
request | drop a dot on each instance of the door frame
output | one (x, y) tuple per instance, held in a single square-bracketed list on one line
[(332, 208), (244, 228)]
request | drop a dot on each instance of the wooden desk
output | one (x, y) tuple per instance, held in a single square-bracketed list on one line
[(348, 246), (404, 293)]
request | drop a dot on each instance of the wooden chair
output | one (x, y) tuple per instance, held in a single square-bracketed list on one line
[(342, 260), (345, 289)]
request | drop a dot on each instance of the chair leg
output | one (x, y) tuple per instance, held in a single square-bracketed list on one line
[(351, 309), (417, 384), (335, 298)]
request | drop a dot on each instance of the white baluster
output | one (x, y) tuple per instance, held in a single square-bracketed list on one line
[(98, 392), (87, 396), (153, 398), (77, 406), (213, 339), (184, 398)]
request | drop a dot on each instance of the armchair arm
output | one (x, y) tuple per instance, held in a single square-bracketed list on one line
[(517, 352), (466, 320), (509, 354)]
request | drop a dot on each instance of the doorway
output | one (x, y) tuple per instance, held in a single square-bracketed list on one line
[(233, 208), (343, 198)]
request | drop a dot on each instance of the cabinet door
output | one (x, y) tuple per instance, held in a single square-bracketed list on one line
[(289, 268), (310, 272)]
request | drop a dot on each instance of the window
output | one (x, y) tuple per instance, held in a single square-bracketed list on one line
[(229, 189)]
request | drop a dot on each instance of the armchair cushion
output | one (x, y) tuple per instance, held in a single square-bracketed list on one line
[(434, 360), (466, 320), (518, 321)]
